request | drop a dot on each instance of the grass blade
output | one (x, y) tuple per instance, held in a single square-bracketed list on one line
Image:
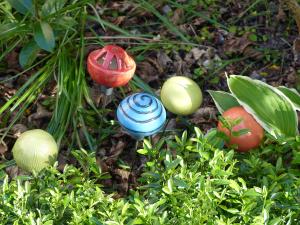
[(146, 5)]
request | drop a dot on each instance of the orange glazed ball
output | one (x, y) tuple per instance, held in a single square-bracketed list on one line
[(245, 142)]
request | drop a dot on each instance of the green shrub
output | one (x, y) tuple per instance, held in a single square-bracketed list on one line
[(185, 181)]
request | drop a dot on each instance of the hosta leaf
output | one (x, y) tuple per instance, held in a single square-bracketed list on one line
[(22, 6), (223, 100), (272, 109), (44, 36), (292, 94), (28, 54)]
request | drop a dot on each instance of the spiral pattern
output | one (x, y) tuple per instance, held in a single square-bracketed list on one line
[(141, 115)]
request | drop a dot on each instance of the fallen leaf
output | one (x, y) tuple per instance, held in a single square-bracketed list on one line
[(241, 45), (147, 72), (124, 174), (204, 115), (296, 49), (237, 44), (196, 54), (122, 177), (180, 66), (121, 6), (40, 113), (198, 21), (12, 60), (291, 77), (165, 62), (178, 15), (119, 20), (18, 129), (281, 16), (62, 161), (3, 148), (114, 152), (12, 171)]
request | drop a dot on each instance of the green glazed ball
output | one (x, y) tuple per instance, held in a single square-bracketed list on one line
[(181, 95), (35, 150)]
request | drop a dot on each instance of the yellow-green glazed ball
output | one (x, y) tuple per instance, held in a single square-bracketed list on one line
[(35, 150), (181, 95)]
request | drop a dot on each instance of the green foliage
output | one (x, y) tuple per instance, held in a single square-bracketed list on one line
[(274, 109), (223, 100), (271, 108), (28, 54), (44, 36), (42, 24), (53, 28), (292, 94), (187, 180), (22, 6)]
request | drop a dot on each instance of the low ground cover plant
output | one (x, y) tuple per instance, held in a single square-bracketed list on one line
[(186, 180), (195, 176)]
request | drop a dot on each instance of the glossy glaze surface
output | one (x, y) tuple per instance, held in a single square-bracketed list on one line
[(110, 66), (181, 95), (141, 115)]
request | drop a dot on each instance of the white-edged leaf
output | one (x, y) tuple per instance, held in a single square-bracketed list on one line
[(292, 94), (52, 6), (44, 36), (270, 107), (22, 6), (223, 100), (28, 53)]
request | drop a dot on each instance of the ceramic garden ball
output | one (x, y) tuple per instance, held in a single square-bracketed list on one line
[(110, 66), (247, 141), (181, 95), (35, 150), (141, 115)]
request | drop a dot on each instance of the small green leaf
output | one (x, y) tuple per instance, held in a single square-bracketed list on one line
[(251, 193), (223, 100), (173, 164), (44, 36), (180, 183), (268, 105), (230, 210), (253, 37), (147, 144), (240, 132), (184, 137), (142, 151), (234, 185), (50, 6), (275, 221), (22, 6), (292, 94), (28, 54), (169, 187), (215, 139)]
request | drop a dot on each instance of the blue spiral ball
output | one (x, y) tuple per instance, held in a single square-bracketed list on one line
[(141, 115)]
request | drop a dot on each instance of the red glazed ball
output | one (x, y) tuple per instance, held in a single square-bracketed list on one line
[(244, 142), (110, 66)]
